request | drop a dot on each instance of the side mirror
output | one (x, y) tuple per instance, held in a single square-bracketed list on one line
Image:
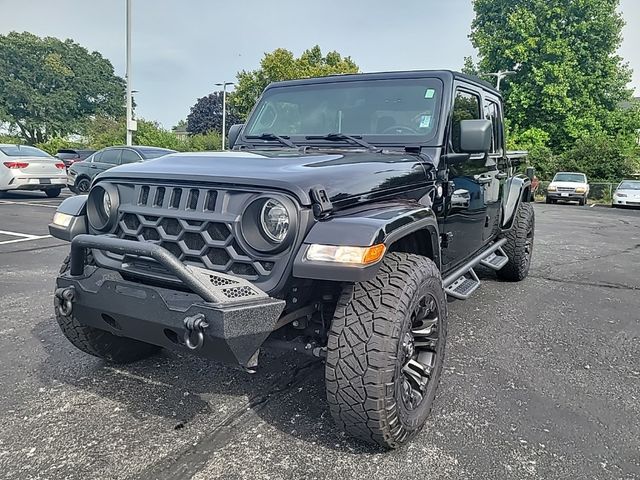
[(475, 136), (234, 132)]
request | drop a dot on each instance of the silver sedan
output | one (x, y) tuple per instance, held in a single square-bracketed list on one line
[(29, 168)]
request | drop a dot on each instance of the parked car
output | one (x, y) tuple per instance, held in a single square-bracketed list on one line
[(28, 168), (70, 156), (338, 235), (627, 194), (81, 174), (568, 186)]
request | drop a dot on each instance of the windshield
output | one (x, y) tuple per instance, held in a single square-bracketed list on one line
[(629, 186), (382, 111), (22, 151), (570, 177)]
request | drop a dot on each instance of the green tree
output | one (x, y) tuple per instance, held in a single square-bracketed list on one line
[(569, 80), (280, 65), (49, 87)]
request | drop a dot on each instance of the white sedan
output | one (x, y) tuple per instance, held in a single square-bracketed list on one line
[(627, 194), (29, 168)]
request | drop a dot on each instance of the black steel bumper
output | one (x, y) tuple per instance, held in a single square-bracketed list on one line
[(235, 328)]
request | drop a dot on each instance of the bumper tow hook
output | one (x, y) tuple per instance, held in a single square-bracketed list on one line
[(194, 326), (65, 297)]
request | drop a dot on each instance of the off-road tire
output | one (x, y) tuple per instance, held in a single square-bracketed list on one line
[(53, 192), (101, 343), (519, 240), (365, 357)]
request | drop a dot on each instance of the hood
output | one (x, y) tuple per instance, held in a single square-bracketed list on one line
[(342, 174)]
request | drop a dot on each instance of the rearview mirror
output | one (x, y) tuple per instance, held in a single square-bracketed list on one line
[(234, 132), (475, 136)]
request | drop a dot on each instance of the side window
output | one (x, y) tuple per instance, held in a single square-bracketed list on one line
[(111, 156), (129, 156), (96, 157), (465, 107), (492, 112)]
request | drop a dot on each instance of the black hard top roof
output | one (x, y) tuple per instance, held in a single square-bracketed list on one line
[(445, 75)]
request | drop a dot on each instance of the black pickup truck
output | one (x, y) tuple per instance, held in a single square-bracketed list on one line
[(349, 208)]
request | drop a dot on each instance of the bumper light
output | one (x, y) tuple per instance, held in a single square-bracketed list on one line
[(354, 255), (62, 219)]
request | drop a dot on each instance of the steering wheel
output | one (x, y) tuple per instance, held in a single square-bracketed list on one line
[(399, 129)]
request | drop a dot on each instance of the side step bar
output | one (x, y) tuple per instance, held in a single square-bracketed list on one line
[(462, 282)]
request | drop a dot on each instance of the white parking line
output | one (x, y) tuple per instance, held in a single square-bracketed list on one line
[(24, 237), (9, 202)]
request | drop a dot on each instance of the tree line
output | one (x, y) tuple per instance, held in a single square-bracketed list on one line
[(567, 102)]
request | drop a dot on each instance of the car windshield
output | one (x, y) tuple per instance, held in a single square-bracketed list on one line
[(382, 111), (629, 186), (570, 177), (23, 151)]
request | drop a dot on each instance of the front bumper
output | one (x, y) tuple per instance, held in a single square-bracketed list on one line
[(571, 196), (237, 322), (626, 202)]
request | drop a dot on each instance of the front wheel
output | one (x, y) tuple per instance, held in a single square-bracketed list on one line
[(82, 186), (386, 350)]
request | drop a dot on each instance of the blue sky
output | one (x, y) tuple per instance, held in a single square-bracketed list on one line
[(180, 49)]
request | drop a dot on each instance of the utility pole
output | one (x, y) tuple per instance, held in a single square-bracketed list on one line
[(500, 75), (224, 108), (131, 127)]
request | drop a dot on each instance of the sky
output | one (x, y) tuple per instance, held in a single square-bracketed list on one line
[(180, 49)]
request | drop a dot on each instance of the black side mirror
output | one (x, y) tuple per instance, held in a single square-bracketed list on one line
[(234, 132), (475, 136)]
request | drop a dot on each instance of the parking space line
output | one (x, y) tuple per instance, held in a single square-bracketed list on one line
[(9, 202), (23, 237)]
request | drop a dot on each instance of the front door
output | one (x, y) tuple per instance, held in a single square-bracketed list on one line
[(466, 211)]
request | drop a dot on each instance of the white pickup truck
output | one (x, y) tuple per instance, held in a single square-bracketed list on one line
[(568, 186)]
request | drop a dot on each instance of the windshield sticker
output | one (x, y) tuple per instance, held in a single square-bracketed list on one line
[(425, 121), (430, 93)]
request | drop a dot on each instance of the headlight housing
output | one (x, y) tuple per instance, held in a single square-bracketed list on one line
[(274, 220), (580, 190), (617, 194), (269, 223), (552, 188), (102, 207)]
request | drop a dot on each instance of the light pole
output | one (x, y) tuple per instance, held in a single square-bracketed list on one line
[(130, 123), (500, 75), (224, 108)]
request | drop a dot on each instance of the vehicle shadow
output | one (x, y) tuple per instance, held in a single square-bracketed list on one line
[(287, 392), (28, 195)]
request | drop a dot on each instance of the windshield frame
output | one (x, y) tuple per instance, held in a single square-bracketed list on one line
[(432, 140), (582, 175)]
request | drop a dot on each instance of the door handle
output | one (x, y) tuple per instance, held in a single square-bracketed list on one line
[(92, 166), (484, 179), (501, 175)]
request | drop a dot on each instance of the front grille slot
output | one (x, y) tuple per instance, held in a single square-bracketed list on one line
[(176, 195), (193, 199)]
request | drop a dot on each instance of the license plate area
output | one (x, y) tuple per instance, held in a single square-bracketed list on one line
[(564, 194), (45, 181)]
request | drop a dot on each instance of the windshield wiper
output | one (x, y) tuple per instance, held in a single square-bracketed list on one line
[(333, 137), (272, 136)]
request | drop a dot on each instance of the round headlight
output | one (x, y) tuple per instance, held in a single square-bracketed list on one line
[(275, 220), (102, 206)]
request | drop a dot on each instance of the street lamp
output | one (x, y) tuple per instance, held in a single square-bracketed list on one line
[(224, 108), (500, 75), (131, 126)]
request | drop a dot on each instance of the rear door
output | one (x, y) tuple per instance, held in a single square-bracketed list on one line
[(129, 156), (466, 211)]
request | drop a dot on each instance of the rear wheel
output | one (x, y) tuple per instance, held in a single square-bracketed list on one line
[(386, 350), (519, 246), (100, 343), (82, 185), (53, 192)]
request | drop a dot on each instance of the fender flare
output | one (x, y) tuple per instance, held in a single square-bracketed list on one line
[(516, 188), (363, 228), (76, 207)]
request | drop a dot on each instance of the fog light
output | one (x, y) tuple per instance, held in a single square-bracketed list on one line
[(339, 254), (62, 219)]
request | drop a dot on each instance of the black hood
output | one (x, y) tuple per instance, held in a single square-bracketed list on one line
[(342, 174)]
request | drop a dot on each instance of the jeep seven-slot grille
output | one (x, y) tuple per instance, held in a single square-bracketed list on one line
[(184, 220)]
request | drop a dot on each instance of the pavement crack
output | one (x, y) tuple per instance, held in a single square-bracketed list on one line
[(615, 286), (187, 462)]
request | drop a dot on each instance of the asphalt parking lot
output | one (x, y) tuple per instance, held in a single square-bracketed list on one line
[(542, 379)]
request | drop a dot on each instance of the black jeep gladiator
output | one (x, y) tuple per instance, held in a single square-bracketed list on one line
[(349, 208)]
